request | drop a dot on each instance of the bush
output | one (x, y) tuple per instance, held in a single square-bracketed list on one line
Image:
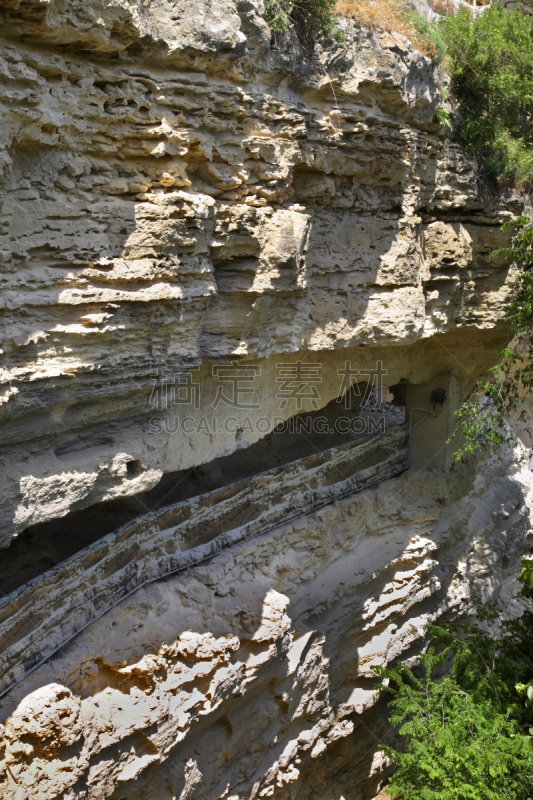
[(310, 19), (489, 59), (397, 16), (512, 378), (430, 35), (464, 732)]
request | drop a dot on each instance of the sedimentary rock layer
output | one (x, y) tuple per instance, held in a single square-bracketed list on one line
[(194, 217), (177, 189), (38, 618), (251, 676)]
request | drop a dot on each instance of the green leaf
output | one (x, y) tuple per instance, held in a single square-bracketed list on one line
[(488, 58)]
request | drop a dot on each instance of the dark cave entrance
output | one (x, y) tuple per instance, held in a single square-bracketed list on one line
[(40, 547)]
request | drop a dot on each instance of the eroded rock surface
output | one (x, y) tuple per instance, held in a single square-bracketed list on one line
[(251, 676), (178, 190), (180, 193)]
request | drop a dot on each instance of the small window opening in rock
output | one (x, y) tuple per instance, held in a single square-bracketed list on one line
[(134, 469), (398, 392)]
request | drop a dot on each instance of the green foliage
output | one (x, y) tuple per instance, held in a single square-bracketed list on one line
[(526, 577), (443, 117), (463, 732), (311, 19), (478, 427), (525, 691), (512, 379), (489, 59), (429, 34)]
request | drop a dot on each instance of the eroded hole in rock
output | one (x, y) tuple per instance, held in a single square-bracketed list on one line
[(399, 392), (133, 469), (42, 546)]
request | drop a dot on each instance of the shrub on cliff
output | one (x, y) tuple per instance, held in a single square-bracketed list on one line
[(310, 19), (465, 733), (489, 58), (398, 16), (512, 379), (315, 20)]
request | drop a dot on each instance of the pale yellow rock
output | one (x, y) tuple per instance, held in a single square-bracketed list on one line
[(188, 213), (266, 687), (177, 191)]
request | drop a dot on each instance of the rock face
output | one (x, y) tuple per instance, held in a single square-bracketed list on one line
[(175, 190), (44, 614), (205, 233), (250, 676)]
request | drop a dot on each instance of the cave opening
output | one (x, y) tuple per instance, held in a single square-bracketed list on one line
[(43, 546)]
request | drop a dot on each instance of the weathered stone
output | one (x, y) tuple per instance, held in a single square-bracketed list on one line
[(181, 193), (263, 690), (39, 617), (202, 196)]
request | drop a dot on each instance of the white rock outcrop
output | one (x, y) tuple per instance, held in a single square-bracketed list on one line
[(177, 190), (251, 676), (182, 196)]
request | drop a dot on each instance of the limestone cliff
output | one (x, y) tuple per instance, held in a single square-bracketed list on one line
[(176, 188), (183, 197), (250, 676)]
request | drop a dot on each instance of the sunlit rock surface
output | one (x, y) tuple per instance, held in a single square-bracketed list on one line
[(177, 189), (180, 193), (251, 676)]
